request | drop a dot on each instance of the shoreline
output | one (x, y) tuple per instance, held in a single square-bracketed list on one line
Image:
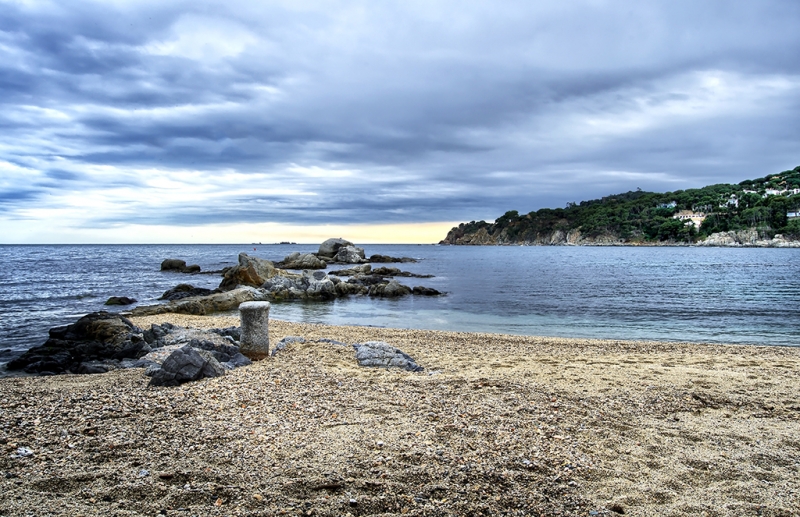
[(496, 423)]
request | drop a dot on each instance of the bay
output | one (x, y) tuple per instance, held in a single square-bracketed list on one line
[(748, 296)]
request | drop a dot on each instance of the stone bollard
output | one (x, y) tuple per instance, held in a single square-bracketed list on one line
[(255, 330)]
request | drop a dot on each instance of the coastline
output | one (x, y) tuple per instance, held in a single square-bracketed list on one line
[(496, 423)]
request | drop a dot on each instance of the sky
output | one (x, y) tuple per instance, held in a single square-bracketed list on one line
[(392, 121)]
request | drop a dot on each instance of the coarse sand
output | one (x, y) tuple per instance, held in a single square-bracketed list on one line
[(495, 425)]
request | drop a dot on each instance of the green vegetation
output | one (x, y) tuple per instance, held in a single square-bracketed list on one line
[(647, 216)]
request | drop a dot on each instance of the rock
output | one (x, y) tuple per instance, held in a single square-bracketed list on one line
[(302, 261), (392, 289), (286, 341), (330, 247), (380, 354), (363, 269), (310, 285), (200, 305), (349, 255), (120, 300), (251, 271), (351, 288), (186, 364), (425, 291), (388, 259), (393, 271), (98, 336), (181, 291), (179, 266)]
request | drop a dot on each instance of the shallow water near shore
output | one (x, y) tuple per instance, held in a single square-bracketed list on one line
[(714, 295)]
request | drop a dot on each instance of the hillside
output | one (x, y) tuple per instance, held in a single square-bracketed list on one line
[(764, 207)]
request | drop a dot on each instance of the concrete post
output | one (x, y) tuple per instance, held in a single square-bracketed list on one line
[(255, 329)]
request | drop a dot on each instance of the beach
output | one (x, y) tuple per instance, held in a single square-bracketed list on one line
[(495, 425)]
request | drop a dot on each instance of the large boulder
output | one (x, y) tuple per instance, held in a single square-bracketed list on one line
[(302, 261), (186, 364), (393, 289), (201, 305), (120, 300), (378, 354), (330, 247), (350, 255), (95, 337), (251, 271), (181, 291), (179, 266), (363, 269), (388, 259)]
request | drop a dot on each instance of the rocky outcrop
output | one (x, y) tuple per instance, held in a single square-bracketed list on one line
[(120, 300), (379, 354), (251, 271), (330, 247), (179, 266), (748, 239), (95, 337), (425, 291), (200, 305), (393, 271), (316, 285), (297, 260), (182, 291), (364, 269)]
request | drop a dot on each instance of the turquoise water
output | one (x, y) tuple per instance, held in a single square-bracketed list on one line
[(717, 295)]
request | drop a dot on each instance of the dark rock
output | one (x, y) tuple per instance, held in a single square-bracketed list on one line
[(330, 247), (179, 266), (99, 336), (184, 365), (392, 289), (425, 291), (388, 259), (237, 361), (311, 285), (380, 354), (234, 333), (182, 291), (120, 300), (393, 271)]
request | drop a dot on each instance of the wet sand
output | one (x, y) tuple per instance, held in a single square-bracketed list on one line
[(495, 425)]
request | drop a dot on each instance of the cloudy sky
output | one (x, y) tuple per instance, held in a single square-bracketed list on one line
[(390, 121)]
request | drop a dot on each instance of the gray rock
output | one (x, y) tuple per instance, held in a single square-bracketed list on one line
[(200, 305), (251, 271), (181, 291), (330, 247), (380, 354), (425, 291), (363, 269), (286, 341), (350, 255), (313, 285), (184, 365), (302, 261)]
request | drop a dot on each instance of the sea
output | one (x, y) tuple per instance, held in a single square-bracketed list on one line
[(745, 296)]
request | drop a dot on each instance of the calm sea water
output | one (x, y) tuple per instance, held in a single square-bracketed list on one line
[(718, 295)]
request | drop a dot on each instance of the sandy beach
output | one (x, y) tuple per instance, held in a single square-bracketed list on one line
[(495, 425)]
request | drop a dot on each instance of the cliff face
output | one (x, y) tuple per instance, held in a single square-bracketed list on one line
[(485, 234), (488, 235)]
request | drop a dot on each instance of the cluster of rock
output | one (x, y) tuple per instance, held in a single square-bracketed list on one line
[(171, 355), (255, 279), (102, 341)]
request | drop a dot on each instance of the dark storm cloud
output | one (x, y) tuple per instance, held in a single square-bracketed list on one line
[(445, 111)]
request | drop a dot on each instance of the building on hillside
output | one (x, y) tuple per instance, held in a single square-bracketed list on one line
[(689, 217), (793, 215), (733, 201)]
